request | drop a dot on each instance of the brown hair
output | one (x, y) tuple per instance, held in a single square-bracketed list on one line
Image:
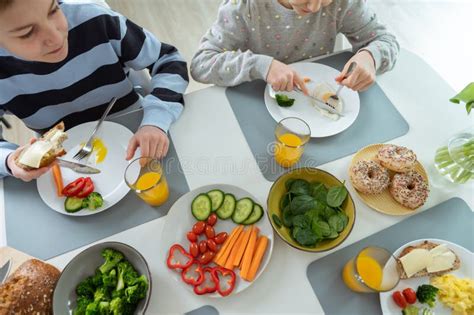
[(4, 4)]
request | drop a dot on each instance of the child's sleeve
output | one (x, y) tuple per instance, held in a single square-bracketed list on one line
[(5, 149), (360, 25), (223, 57), (138, 49)]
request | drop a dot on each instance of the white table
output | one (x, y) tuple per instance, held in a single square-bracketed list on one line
[(283, 288)]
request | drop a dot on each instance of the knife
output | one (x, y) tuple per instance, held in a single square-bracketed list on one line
[(4, 270), (78, 167), (320, 103)]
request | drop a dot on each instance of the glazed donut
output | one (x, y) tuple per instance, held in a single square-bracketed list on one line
[(369, 177), (409, 189), (396, 158)]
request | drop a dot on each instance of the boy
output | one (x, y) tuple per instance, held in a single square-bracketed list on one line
[(64, 62)]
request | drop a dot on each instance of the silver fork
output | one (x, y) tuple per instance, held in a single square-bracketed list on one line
[(349, 71), (87, 148)]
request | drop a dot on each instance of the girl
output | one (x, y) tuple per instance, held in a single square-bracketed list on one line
[(256, 39)]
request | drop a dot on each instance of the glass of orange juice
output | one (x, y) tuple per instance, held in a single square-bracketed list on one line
[(374, 269), (145, 176), (291, 135)]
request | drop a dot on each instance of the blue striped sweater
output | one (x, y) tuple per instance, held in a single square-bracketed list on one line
[(103, 47)]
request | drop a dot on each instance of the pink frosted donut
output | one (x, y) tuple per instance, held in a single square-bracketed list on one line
[(409, 189), (396, 158), (369, 177)]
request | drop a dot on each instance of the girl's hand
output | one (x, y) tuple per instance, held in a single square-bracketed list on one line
[(283, 78), (21, 173), (362, 76), (153, 142)]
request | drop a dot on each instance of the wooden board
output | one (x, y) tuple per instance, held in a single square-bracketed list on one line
[(17, 257)]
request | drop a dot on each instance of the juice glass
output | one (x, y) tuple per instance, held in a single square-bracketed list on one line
[(291, 135), (374, 269), (145, 176)]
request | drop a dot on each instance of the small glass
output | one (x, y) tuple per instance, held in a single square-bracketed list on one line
[(291, 135), (145, 176), (374, 269)]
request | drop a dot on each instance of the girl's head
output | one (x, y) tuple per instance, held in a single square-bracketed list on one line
[(303, 7), (34, 30)]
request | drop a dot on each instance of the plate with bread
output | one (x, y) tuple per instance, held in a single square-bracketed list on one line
[(108, 156), (439, 275), (389, 179)]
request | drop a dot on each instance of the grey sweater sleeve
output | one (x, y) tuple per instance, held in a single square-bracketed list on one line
[(360, 25), (223, 57)]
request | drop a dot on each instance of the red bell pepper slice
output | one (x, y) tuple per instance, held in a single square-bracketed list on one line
[(209, 285), (225, 280), (193, 275), (87, 189), (178, 258), (72, 189)]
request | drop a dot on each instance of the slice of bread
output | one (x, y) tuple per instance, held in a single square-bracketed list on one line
[(50, 156), (423, 273)]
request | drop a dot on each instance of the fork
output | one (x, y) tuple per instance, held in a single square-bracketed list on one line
[(87, 148), (349, 71)]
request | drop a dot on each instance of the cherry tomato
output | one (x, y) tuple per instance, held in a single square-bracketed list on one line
[(210, 233), (410, 295), (206, 258), (87, 189), (194, 249), (399, 299), (203, 247), (221, 237), (72, 189), (199, 227), (191, 236), (212, 219), (211, 244)]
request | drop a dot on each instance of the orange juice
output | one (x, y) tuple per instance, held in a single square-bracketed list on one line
[(288, 150), (368, 270), (153, 188)]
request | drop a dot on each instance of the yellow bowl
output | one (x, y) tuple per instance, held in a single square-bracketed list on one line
[(278, 190)]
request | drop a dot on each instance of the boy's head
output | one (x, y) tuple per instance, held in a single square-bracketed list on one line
[(34, 30), (303, 7)]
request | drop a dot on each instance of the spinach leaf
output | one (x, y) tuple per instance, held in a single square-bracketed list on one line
[(336, 222), (301, 204), (319, 192), (289, 182), (285, 200), (313, 213), (299, 187), (344, 218), (336, 196), (301, 221), (277, 221), (328, 212), (321, 227), (305, 237), (333, 234), (287, 217)]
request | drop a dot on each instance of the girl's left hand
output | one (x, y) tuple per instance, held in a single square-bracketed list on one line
[(362, 76), (153, 142)]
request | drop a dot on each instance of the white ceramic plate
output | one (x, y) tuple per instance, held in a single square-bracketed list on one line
[(180, 220), (466, 271), (303, 109), (109, 183)]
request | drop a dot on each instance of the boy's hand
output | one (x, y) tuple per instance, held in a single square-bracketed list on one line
[(153, 142), (21, 173), (362, 76), (283, 78)]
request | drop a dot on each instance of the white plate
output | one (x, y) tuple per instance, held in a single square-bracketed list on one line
[(109, 183), (180, 220), (303, 109), (466, 271)]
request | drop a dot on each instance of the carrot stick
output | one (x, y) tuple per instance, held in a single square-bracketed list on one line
[(58, 179), (229, 264), (249, 251), (221, 256), (257, 257), (241, 248)]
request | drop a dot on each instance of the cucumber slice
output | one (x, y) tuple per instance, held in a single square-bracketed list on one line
[(243, 209), (255, 216), (227, 208), (201, 207), (217, 198), (73, 204)]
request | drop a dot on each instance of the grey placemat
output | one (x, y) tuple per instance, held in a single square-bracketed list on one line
[(205, 310), (378, 121), (35, 229), (452, 221)]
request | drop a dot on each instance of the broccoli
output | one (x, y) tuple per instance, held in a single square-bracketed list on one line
[(112, 258), (92, 309), (110, 280), (427, 311), (116, 306), (410, 310), (284, 100), (97, 279), (101, 294), (94, 201), (104, 308), (86, 288), (426, 293), (126, 275), (82, 303), (136, 292), (129, 309)]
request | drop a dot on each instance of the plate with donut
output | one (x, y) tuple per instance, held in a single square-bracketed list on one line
[(389, 179)]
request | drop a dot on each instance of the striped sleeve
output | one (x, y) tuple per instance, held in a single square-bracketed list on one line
[(5, 149), (138, 49)]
